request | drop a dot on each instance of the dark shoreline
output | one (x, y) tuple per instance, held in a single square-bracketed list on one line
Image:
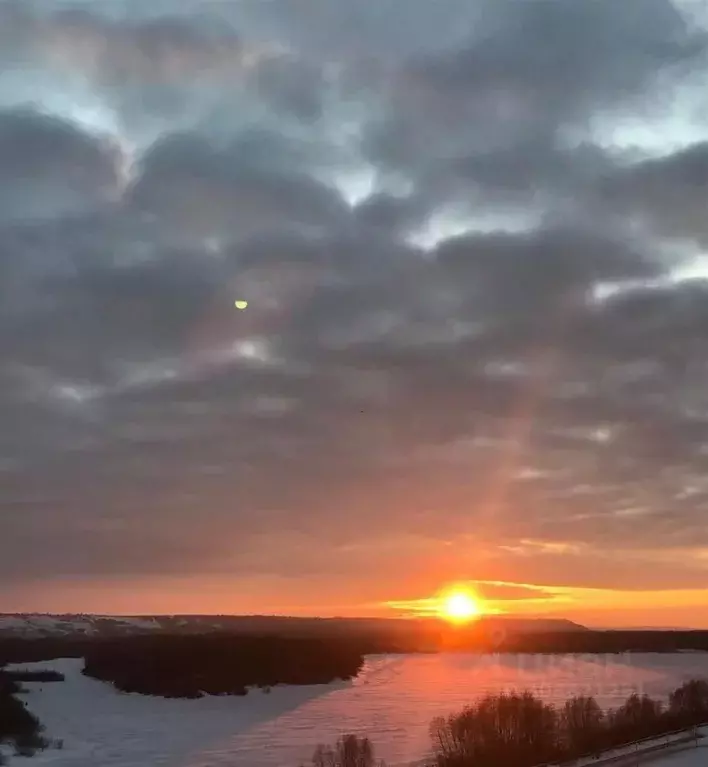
[(375, 642), (228, 663)]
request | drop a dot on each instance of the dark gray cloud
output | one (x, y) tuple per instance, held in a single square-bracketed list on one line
[(472, 245), (193, 189), (664, 193), (50, 168)]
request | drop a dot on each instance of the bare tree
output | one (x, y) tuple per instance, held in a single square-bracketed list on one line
[(582, 724), (499, 729), (690, 701), (349, 751)]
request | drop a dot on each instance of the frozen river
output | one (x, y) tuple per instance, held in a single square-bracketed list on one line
[(393, 701)]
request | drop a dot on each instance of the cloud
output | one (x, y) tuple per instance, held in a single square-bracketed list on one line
[(661, 194), (473, 345), (195, 190), (50, 168)]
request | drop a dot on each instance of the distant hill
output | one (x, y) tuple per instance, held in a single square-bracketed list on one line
[(531, 625), (31, 637), (32, 625)]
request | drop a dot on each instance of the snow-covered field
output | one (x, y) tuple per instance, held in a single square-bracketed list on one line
[(393, 701)]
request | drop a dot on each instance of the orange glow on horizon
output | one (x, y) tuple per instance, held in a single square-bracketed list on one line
[(315, 597)]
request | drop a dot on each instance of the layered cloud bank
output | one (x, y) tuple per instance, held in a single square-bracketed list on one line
[(472, 237)]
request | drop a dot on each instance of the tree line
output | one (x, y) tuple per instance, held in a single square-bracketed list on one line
[(193, 666), (482, 638)]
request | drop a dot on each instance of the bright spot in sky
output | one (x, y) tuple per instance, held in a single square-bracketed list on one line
[(447, 224), (355, 186), (656, 131), (252, 349), (76, 394), (240, 304), (459, 606), (693, 268)]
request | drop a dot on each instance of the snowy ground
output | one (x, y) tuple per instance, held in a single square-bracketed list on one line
[(393, 701), (689, 757), (103, 728), (643, 754), (693, 757)]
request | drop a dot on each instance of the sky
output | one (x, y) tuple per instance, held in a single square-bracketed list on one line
[(472, 235)]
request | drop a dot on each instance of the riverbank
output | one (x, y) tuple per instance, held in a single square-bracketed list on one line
[(382, 637)]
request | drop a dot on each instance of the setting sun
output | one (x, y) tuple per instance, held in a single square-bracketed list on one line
[(460, 607)]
